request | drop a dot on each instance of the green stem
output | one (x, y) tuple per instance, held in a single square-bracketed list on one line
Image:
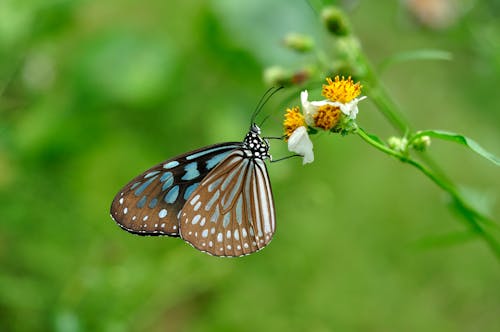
[(469, 212), (379, 96)]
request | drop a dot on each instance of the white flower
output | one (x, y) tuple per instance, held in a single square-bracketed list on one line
[(300, 143), (310, 108)]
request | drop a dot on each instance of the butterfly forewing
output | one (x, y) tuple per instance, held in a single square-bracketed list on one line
[(231, 213), (150, 204)]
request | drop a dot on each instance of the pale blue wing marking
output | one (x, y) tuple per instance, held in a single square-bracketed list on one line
[(215, 216), (212, 200), (142, 202), (167, 183), (227, 219), (236, 187), (153, 203), (191, 171), (171, 196), (171, 164), (190, 190), (214, 185), (208, 151), (145, 185), (165, 176), (239, 210), (150, 174), (216, 159)]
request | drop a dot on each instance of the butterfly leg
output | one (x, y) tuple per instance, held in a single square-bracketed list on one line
[(284, 158)]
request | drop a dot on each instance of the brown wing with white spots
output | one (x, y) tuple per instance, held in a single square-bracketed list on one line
[(151, 202), (231, 213)]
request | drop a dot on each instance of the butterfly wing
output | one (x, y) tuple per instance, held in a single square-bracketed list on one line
[(151, 202), (231, 213)]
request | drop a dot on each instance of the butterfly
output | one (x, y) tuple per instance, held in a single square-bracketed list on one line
[(217, 198)]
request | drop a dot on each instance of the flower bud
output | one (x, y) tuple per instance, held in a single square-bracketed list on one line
[(276, 76), (397, 144), (421, 143), (299, 43), (335, 21)]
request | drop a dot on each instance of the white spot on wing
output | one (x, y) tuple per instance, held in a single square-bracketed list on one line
[(162, 213)]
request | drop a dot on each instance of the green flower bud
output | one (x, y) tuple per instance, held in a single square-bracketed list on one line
[(398, 144), (276, 76), (421, 143), (299, 43), (335, 21)]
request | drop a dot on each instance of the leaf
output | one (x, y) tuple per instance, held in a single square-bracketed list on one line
[(461, 139), (414, 56), (376, 139), (445, 240)]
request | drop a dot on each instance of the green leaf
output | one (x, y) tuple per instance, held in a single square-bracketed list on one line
[(414, 56), (445, 240), (461, 139), (376, 139)]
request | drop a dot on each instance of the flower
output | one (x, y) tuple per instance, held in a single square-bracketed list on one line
[(321, 114), (327, 117), (341, 90), (343, 93), (300, 143), (293, 120), (335, 114), (296, 134)]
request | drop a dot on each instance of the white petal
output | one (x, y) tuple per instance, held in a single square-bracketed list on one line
[(309, 108), (300, 143), (351, 108)]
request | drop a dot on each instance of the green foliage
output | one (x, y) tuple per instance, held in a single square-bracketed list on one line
[(461, 139), (94, 92)]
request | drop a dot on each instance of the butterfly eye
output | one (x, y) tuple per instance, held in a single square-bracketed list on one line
[(217, 198)]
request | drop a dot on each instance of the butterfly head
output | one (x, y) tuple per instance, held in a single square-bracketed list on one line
[(255, 145)]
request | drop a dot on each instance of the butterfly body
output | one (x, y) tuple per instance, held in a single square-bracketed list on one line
[(217, 198)]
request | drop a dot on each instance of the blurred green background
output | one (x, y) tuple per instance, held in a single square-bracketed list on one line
[(94, 92)]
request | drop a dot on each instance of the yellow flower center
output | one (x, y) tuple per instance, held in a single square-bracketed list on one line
[(293, 120), (341, 90), (327, 117)]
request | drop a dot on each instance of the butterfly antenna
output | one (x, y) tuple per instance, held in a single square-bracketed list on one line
[(265, 98), (259, 104), (264, 120)]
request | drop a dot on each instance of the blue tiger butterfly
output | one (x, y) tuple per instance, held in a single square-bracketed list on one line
[(217, 198)]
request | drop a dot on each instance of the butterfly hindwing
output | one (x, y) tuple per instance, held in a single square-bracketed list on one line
[(150, 204), (231, 213)]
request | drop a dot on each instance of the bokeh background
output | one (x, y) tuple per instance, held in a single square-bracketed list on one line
[(94, 92)]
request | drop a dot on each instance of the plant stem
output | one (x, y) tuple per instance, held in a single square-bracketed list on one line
[(470, 214)]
